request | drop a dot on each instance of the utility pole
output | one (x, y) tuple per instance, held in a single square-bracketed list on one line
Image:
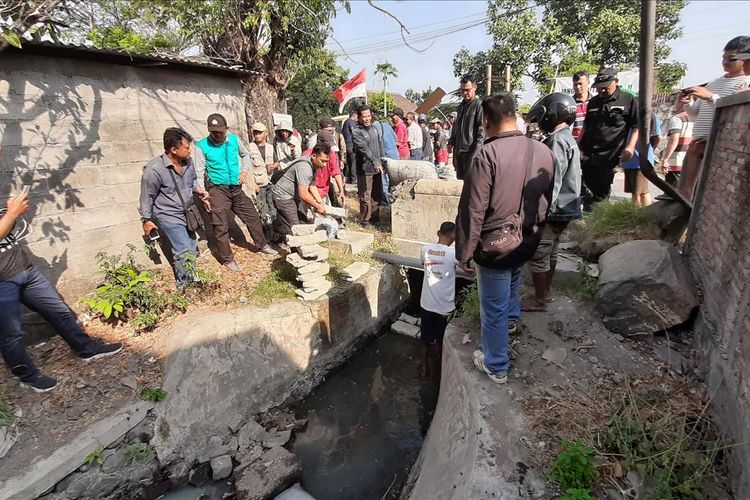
[(489, 79)]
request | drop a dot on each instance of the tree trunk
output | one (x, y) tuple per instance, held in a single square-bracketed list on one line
[(261, 101)]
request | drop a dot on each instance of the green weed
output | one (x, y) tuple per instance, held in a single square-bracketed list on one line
[(622, 216), (136, 451), (154, 394), (574, 467), (577, 494), (584, 288), (279, 285), (7, 416), (95, 456), (469, 300)]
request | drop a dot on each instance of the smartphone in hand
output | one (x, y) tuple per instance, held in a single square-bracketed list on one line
[(154, 234)]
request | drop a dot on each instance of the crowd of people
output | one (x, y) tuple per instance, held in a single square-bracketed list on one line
[(519, 194)]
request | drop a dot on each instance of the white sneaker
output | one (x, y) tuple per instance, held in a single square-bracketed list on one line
[(498, 378)]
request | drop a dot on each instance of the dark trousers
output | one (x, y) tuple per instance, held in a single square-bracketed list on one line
[(287, 215), (33, 290), (370, 191), (227, 201), (597, 182), (461, 163)]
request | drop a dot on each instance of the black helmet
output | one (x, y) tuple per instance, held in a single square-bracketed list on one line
[(551, 110)]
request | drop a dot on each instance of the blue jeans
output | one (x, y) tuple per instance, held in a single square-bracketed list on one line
[(499, 303), (386, 185), (33, 290), (415, 154), (183, 243)]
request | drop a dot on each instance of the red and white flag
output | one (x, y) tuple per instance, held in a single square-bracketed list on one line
[(356, 87)]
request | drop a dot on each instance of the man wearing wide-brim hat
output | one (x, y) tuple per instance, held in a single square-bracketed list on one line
[(287, 145)]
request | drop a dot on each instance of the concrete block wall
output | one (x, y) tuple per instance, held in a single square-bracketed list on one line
[(719, 255), (80, 132)]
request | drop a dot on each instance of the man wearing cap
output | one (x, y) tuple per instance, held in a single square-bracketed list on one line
[(467, 134), (264, 164), (224, 164), (611, 116), (426, 138), (703, 107), (402, 135), (288, 146), (414, 136)]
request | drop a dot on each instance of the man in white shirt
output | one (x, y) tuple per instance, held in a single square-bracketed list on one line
[(416, 140), (704, 105), (438, 295)]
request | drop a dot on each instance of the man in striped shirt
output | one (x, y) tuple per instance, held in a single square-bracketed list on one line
[(704, 106), (581, 95), (679, 135)]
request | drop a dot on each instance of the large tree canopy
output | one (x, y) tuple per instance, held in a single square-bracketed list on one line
[(563, 36)]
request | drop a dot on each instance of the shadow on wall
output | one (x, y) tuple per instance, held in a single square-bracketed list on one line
[(249, 359), (25, 164)]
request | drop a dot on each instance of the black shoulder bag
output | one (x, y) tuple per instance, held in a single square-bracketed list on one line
[(192, 214), (502, 238)]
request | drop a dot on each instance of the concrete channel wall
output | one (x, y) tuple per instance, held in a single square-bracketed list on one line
[(79, 133), (719, 254), (247, 360)]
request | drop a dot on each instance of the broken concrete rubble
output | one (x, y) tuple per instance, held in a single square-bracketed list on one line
[(307, 239), (310, 251), (303, 229), (308, 296), (644, 286), (271, 474), (318, 267), (353, 242), (221, 467), (355, 271), (405, 329)]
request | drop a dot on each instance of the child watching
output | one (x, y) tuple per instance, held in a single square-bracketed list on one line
[(437, 300)]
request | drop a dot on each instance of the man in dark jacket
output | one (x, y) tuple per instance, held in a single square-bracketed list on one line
[(346, 131), (368, 154), (467, 133), (494, 184)]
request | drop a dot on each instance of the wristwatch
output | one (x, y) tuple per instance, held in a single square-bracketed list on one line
[(714, 98)]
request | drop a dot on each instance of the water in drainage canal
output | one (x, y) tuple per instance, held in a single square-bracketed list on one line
[(366, 423)]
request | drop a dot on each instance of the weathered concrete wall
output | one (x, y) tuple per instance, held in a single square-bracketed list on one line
[(79, 133), (419, 209), (250, 359), (719, 237)]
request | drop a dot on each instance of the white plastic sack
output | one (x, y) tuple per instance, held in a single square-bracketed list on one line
[(401, 170)]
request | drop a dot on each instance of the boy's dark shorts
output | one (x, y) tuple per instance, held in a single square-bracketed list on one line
[(433, 326)]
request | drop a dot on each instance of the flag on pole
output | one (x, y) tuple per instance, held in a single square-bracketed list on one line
[(356, 87)]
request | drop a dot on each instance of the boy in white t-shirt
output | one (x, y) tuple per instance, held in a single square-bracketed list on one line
[(438, 295)]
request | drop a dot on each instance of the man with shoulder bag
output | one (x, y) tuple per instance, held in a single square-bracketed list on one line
[(506, 193), (166, 203)]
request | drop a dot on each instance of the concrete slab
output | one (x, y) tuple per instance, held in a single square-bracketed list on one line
[(44, 474), (405, 328), (307, 239), (353, 242)]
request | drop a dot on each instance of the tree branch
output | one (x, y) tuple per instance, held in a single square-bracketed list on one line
[(403, 28)]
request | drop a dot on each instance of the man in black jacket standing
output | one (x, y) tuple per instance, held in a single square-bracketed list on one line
[(467, 133), (368, 153)]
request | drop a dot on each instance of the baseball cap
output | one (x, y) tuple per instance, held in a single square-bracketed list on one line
[(285, 125), (453, 114), (259, 127), (422, 118), (435, 120), (216, 122), (325, 123), (742, 56), (604, 77), (398, 112)]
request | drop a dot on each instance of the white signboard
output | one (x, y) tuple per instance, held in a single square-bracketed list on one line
[(280, 117), (627, 80)]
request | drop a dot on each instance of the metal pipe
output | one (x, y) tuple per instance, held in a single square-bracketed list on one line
[(414, 263), (645, 96)]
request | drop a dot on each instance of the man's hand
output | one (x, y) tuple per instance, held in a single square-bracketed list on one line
[(378, 170), (700, 93), (18, 205), (206, 204), (341, 199), (321, 209), (626, 154), (272, 166), (243, 177), (466, 267), (148, 226)]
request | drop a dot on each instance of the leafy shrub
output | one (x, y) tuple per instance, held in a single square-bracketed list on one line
[(136, 451), (574, 467), (469, 300), (577, 494), (154, 394), (95, 456)]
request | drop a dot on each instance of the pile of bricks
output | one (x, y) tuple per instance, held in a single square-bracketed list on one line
[(310, 261)]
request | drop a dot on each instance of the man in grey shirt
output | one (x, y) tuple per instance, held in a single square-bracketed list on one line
[(297, 186), (167, 181)]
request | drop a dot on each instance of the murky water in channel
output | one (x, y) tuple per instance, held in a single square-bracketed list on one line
[(366, 423)]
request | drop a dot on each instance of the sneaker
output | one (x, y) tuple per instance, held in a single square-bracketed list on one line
[(268, 250), (40, 383), (102, 351), (498, 378), (233, 266)]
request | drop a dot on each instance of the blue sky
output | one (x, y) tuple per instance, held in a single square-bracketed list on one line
[(707, 26)]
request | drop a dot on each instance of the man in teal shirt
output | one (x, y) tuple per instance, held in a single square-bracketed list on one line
[(223, 163)]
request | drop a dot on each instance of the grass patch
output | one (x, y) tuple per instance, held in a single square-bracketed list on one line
[(621, 217), (669, 443), (154, 394), (136, 451), (585, 286), (7, 416), (339, 260), (384, 243), (279, 285), (469, 300), (574, 469)]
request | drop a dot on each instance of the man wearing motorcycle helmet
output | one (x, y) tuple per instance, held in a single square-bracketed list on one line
[(555, 113)]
